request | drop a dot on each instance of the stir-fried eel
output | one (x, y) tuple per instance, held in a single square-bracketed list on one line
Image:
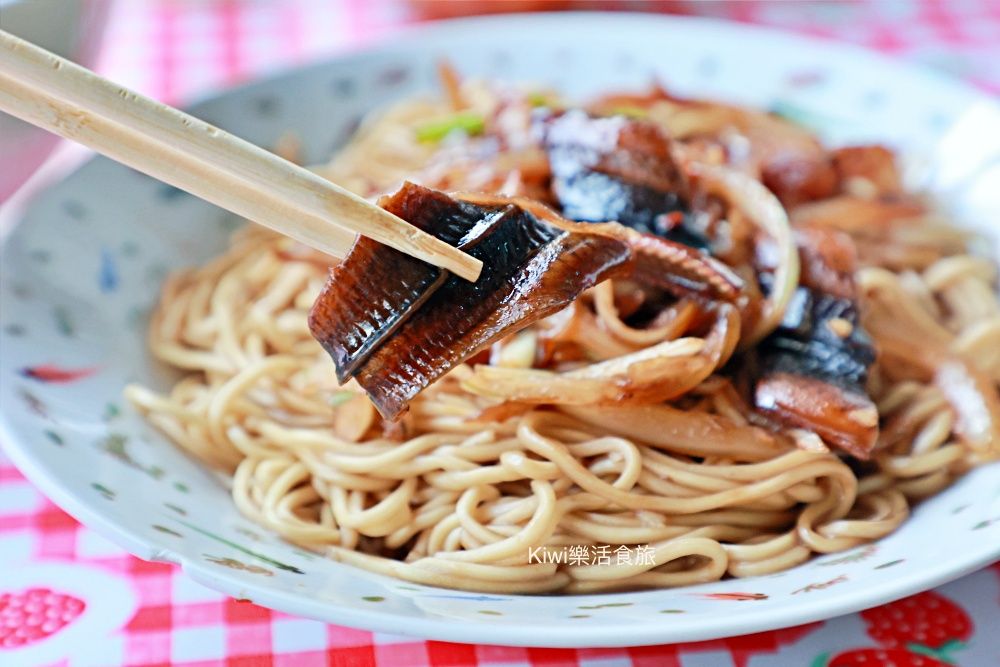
[(618, 169), (683, 271), (531, 270), (787, 158), (816, 363), (867, 171), (352, 328)]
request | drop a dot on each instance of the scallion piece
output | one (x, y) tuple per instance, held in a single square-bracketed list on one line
[(339, 398), (470, 123), (631, 112), (538, 99)]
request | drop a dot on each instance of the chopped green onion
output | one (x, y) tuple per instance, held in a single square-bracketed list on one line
[(340, 398), (469, 122), (816, 121), (537, 99), (631, 112)]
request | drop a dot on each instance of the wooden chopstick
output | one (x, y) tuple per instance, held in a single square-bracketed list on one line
[(71, 101)]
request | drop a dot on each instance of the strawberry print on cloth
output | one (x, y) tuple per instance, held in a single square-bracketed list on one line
[(35, 614), (927, 623), (53, 611), (880, 657), (923, 630)]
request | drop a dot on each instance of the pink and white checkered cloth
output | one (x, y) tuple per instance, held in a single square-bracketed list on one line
[(152, 615), (174, 50)]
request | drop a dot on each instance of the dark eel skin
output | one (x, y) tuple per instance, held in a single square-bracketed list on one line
[(397, 324)]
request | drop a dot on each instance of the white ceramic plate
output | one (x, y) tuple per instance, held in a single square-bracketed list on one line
[(82, 271)]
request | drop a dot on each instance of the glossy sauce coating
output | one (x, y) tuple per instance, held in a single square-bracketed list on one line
[(815, 365), (532, 269)]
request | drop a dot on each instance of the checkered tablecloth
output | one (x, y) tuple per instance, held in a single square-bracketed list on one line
[(151, 614)]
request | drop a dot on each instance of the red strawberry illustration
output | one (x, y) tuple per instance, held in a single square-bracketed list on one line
[(926, 623), (880, 657), (34, 614)]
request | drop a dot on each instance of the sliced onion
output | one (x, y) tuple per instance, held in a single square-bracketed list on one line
[(654, 374), (683, 431), (974, 399), (765, 211)]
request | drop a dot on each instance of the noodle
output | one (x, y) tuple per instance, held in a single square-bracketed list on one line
[(500, 473)]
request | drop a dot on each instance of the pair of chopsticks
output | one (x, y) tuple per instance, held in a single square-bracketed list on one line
[(48, 91)]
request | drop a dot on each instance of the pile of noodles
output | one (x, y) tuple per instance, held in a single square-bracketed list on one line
[(471, 481)]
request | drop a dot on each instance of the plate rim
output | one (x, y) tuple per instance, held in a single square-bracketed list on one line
[(529, 635)]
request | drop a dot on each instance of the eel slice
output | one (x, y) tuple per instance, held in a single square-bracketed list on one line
[(815, 365), (396, 326), (620, 169)]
